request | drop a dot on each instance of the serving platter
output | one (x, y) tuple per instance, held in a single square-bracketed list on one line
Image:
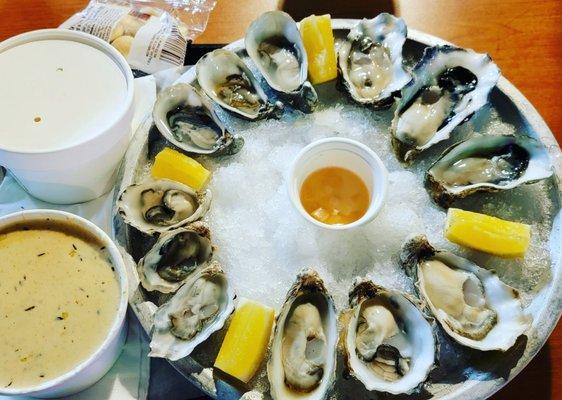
[(461, 373)]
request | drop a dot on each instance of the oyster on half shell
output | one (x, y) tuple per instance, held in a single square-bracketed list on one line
[(302, 364), (200, 307), (370, 60), (388, 343), (227, 80), (156, 206), (487, 163), (274, 44), (186, 118), (472, 304), (174, 257), (449, 85)]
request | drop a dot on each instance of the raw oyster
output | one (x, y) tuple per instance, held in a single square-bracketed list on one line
[(448, 86), (487, 163), (161, 205), (174, 256), (471, 303), (370, 60), (186, 118), (200, 307), (274, 44), (388, 343), (229, 82), (302, 364)]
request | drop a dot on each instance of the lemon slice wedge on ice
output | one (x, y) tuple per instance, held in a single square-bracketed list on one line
[(246, 340), (488, 234)]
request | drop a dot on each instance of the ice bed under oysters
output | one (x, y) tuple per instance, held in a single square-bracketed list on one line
[(250, 241)]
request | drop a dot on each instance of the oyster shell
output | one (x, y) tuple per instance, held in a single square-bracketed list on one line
[(186, 118), (161, 205), (449, 85), (388, 343), (174, 257), (200, 307), (274, 44), (370, 60), (472, 304), (487, 163), (302, 364), (225, 78)]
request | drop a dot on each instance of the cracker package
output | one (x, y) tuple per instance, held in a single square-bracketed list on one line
[(152, 35)]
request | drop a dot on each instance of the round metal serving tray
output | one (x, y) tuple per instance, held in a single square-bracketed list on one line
[(463, 373)]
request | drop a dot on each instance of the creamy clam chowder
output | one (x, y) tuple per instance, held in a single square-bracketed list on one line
[(59, 296)]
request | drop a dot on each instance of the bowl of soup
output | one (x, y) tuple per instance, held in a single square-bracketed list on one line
[(337, 183), (63, 297)]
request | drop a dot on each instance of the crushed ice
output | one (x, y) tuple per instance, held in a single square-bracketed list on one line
[(263, 242)]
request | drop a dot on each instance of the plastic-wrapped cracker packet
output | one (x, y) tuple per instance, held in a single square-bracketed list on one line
[(152, 35)]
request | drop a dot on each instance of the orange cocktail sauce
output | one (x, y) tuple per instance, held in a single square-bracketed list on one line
[(334, 195)]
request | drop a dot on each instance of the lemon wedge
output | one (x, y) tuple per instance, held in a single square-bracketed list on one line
[(246, 340), (171, 164), (318, 40), (488, 234)]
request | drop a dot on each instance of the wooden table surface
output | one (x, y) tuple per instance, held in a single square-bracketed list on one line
[(524, 37)]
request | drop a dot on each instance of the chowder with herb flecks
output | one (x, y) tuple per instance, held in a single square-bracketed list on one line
[(59, 296)]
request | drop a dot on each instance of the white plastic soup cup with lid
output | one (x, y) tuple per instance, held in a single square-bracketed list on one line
[(90, 370), (66, 111), (343, 153)]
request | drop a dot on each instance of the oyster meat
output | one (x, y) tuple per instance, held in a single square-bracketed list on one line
[(200, 307), (161, 205), (472, 304), (449, 85), (302, 364), (186, 118), (370, 60), (304, 330), (388, 343), (174, 257), (274, 44), (225, 78), (487, 163)]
